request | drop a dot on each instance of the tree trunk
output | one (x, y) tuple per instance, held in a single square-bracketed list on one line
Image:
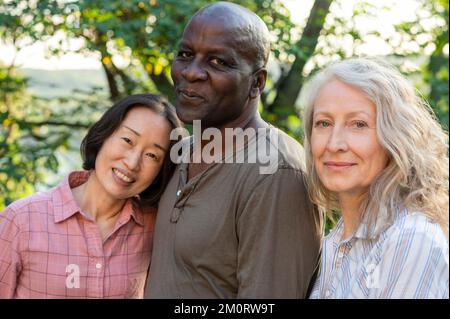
[(112, 84), (164, 86), (128, 83), (289, 86)]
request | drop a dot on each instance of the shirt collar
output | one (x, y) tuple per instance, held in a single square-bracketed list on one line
[(65, 206), (129, 211), (383, 221), (336, 233), (188, 148)]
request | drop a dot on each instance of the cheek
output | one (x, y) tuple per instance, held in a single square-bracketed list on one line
[(380, 160), (149, 173), (317, 150), (375, 156), (175, 71), (102, 158), (232, 87), (317, 146)]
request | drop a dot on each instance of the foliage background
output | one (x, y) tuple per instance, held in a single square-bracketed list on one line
[(135, 42)]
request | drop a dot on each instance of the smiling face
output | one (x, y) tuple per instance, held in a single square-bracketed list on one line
[(131, 158), (346, 152), (211, 74)]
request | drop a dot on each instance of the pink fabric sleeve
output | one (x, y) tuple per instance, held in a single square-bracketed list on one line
[(10, 263)]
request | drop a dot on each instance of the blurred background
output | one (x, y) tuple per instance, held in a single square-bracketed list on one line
[(62, 63)]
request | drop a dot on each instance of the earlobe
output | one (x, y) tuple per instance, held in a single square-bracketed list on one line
[(259, 81), (254, 91)]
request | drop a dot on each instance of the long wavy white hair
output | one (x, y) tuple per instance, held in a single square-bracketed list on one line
[(416, 176)]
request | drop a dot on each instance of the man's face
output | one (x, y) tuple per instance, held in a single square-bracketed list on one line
[(212, 77)]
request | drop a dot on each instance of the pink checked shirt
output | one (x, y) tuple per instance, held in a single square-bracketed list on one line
[(50, 249)]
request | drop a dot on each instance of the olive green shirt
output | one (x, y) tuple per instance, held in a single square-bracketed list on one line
[(232, 232)]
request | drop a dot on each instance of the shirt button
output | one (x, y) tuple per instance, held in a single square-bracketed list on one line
[(98, 265), (178, 192)]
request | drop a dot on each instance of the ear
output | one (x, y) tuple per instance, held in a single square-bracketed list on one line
[(259, 82)]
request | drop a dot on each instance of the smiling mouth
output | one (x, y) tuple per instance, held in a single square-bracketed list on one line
[(190, 95), (339, 166), (122, 176)]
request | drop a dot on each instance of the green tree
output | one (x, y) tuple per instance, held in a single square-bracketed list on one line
[(146, 34), (435, 72), (33, 129)]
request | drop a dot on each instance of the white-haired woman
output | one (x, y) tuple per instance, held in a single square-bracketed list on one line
[(376, 154)]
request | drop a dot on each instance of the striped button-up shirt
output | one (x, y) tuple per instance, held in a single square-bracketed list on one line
[(49, 248), (408, 259)]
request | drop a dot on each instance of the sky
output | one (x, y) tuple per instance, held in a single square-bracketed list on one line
[(34, 56)]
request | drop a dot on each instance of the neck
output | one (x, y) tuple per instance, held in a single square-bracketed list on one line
[(249, 115), (94, 201), (351, 212), (217, 145), (250, 118)]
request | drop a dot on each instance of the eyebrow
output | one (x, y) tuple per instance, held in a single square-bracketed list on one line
[(347, 115), (135, 132), (221, 51), (138, 134)]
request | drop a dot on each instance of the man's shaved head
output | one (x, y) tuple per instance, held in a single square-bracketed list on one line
[(248, 27), (219, 71)]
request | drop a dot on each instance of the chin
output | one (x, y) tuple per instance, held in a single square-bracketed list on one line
[(188, 114), (185, 117), (119, 196), (337, 188)]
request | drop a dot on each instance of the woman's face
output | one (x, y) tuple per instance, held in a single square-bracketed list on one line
[(346, 152), (132, 156)]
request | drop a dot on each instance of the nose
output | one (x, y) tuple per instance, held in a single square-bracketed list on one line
[(337, 141), (132, 160), (194, 71)]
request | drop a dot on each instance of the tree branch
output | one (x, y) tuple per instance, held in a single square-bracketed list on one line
[(54, 123), (289, 86)]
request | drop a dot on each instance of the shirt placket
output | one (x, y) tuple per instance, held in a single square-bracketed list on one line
[(335, 276), (184, 190), (96, 262)]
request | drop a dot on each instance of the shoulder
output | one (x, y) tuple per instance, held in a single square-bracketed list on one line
[(280, 165), (414, 259), (21, 209), (417, 224), (275, 152), (290, 151), (413, 232), (149, 215), (17, 217)]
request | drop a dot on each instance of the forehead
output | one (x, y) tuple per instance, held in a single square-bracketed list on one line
[(338, 97), (147, 123), (215, 33), (140, 114)]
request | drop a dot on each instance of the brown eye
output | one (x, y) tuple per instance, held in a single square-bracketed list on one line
[(152, 156), (218, 61), (184, 54), (127, 140)]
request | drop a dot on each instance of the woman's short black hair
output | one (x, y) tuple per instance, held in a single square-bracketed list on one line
[(110, 122)]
